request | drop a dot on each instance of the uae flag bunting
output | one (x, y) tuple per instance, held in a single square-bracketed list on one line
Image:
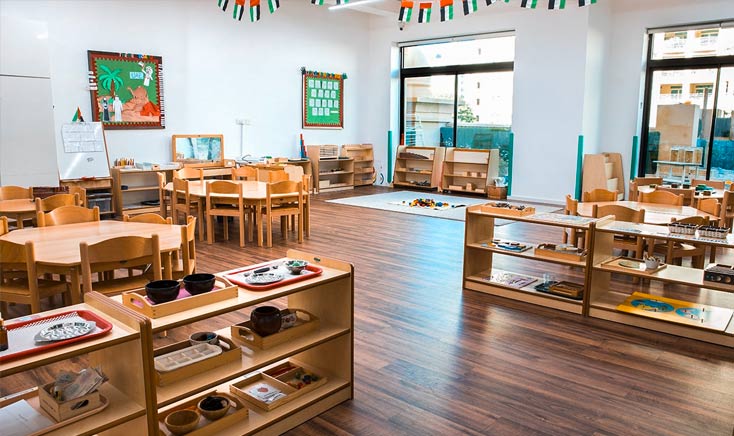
[(470, 6), (239, 10), (254, 10), (223, 4), (317, 2), (491, 2), (273, 5), (556, 4), (406, 10), (424, 12), (447, 10), (529, 4), (342, 2), (586, 2)]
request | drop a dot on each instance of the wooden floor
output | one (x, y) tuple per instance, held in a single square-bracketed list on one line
[(432, 359)]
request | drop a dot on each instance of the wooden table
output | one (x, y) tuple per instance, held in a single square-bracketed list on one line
[(654, 213), (254, 193), (57, 247), (717, 194), (19, 209)]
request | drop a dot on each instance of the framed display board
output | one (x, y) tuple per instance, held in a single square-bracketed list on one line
[(85, 152), (198, 150), (323, 100), (126, 90)]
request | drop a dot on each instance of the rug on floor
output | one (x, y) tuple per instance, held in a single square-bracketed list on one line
[(399, 201)]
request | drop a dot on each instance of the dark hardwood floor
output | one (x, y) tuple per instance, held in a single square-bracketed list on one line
[(431, 358)]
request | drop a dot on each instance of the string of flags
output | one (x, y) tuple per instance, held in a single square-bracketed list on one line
[(406, 7), (323, 75)]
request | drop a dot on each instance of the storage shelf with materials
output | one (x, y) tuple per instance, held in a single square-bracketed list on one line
[(418, 167), (469, 170), (678, 300), (137, 190), (99, 191), (333, 172), (483, 272), (363, 156)]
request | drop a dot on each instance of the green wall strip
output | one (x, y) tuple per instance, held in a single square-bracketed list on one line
[(579, 165), (509, 163), (633, 164), (389, 156)]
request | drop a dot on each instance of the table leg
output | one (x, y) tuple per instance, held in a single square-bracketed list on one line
[(19, 221), (167, 266), (76, 287)]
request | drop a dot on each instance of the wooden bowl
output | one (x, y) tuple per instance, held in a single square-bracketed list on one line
[(162, 291), (182, 421), (213, 407)]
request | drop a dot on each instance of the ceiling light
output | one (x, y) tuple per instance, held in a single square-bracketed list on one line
[(349, 5)]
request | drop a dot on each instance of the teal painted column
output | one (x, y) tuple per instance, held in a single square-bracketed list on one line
[(509, 163), (389, 156), (635, 156), (579, 165)]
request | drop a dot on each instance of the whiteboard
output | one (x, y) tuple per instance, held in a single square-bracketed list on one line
[(84, 151)]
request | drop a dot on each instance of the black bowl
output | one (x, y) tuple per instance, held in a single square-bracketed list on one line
[(198, 283), (161, 291)]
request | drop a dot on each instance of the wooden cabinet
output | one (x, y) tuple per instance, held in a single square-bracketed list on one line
[(418, 167), (127, 391), (364, 162), (479, 253), (100, 193), (603, 171), (469, 170), (680, 291), (329, 348), (331, 172), (137, 191)]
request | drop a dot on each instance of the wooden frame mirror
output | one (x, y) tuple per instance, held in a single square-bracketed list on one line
[(198, 150)]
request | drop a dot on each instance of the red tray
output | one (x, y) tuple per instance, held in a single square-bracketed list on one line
[(103, 325), (237, 278)]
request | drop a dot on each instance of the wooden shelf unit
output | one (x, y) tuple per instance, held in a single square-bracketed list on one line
[(100, 192), (330, 173), (603, 171), (364, 162), (604, 298), (417, 172), (330, 348), (127, 390), (478, 258), (462, 166), (142, 185)]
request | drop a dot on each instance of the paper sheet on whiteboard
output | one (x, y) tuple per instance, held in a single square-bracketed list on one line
[(82, 137)]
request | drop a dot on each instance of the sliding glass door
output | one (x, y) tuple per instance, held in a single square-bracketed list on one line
[(722, 147)]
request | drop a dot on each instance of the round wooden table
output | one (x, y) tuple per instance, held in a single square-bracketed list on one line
[(654, 213), (18, 209), (57, 247)]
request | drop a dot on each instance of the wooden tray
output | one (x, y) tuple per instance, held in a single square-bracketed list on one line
[(232, 354), (32, 397), (489, 208), (103, 326), (64, 410), (243, 332), (614, 264), (138, 301), (551, 250), (237, 412), (241, 388), (238, 278)]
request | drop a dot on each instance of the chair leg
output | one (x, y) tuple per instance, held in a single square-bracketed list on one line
[(307, 219), (200, 219), (209, 230), (269, 223), (242, 229), (300, 228), (226, 228), (284, 226)]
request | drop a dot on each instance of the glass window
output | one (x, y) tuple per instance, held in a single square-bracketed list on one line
[(476, 51), (428, 110), (693, 43)]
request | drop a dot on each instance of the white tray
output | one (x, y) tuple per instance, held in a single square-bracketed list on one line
[(186, 356)]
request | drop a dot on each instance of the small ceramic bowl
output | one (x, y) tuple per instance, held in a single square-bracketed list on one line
[(213, 407), (204, 338), (295, 266), (182, 421), (162, 291), (198, 283)]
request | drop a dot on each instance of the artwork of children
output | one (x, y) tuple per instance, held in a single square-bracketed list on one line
[(128, 92)]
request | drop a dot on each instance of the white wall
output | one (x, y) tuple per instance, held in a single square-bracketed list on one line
[(216, 69)]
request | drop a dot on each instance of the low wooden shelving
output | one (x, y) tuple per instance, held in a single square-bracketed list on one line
[(418, 167)]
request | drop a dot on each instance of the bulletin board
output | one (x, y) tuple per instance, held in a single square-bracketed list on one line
[(323, 100), (85, 152)]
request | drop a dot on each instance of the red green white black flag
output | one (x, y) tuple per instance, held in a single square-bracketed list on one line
[(424, 12), (239, 10), (586, 2), (470, 6), (447, 10), (223, 4), (556, 4), (529, 4), (273, 5), (406, 11), (254, 10)]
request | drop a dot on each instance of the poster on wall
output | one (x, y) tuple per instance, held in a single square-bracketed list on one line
[(126, 90), (323, 100)]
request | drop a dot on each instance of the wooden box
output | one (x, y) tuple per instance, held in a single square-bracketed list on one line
[(238, 411), (455, 188), (490, 208), (137, 300), (497, 193), (557, 251), (244, 388), (63, 410), (230, 353), (324, 184), (244, 334)]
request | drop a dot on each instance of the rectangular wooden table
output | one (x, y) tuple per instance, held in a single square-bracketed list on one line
[(654, 213), (57, 247)]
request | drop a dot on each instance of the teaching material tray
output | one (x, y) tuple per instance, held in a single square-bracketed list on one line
[(139, 302), (565, 289), (239, 277), (627, 264), (244, 333), (237, 412), (201, 360), (21, 334), (561, 251), (507, 209)]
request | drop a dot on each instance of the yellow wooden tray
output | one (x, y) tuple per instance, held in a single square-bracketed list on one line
[(137, 301), (243, 332), (237, 412)]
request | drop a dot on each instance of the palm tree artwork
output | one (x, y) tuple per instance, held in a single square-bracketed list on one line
[(110, 79)]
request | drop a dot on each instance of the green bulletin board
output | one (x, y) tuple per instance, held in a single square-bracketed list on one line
[(323, 100)]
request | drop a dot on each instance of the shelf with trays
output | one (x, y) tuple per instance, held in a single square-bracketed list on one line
[(126, 391), (363, 156), (140, 185), (412, 170), (464, 166), (685, 288), (479, 256), (333, 172), (329, 296)]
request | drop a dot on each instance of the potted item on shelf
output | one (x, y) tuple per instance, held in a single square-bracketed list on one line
[(278, 385), (294, 323)]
